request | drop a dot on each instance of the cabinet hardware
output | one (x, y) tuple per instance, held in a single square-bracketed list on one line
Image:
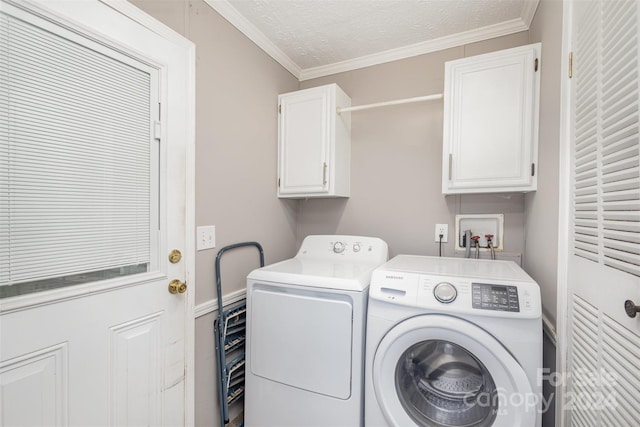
[(324, 174), (535, 65), (450, 164), (533, 169), (280, 108)]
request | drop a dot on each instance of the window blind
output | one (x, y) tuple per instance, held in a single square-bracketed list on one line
[(75, 157), (607, 143)]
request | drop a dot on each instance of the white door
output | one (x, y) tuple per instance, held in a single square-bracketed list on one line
[(603, 220), (89, 332)]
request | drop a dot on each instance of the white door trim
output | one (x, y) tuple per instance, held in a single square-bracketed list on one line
[(564, 215)]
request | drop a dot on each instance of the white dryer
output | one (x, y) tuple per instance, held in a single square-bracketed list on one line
[(453, 342), (305, 334)]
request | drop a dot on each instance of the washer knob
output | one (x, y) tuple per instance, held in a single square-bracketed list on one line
[(445, 292), (338, 247), (356, 247)]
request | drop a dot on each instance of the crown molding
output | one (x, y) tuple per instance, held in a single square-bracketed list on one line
[(472, 36), (529, 11), (228, 12)]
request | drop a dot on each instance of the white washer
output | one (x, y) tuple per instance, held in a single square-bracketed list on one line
[(453, 342), (305, 334)]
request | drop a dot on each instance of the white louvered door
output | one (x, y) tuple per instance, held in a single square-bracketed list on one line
[(604, 251), (93, 197)]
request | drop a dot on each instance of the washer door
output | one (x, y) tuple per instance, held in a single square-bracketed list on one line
[(442, 371)]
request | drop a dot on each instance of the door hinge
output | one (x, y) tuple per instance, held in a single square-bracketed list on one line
[(570, 64), (157, 130), (535, 65), (533, 169)]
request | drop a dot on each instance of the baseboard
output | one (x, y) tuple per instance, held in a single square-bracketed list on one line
[(212, 305)]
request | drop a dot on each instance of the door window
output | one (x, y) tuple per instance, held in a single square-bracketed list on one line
[(439, 383), (79, 163)]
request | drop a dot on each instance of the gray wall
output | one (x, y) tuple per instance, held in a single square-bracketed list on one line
[(396, 160), (541, 207)]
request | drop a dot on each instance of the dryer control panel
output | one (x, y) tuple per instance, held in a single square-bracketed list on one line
[(343, 248)]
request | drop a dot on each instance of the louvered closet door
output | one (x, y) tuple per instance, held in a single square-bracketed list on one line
[(604, 259)]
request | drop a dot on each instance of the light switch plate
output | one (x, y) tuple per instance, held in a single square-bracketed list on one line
[(206, 237)]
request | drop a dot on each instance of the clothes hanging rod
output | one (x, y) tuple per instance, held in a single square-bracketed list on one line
[(396, 102)]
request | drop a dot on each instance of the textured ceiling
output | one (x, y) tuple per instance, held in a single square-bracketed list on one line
[(316, 34)]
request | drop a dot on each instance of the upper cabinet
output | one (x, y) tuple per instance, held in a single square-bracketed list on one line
[(491, 107), (314, 143)]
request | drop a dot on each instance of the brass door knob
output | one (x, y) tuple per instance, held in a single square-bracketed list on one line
[(177, 287), (175, 256)]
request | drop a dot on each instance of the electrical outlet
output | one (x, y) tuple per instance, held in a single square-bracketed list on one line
[(444, 230), (206, 237)]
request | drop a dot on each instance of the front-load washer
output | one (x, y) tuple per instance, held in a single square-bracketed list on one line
[(305, 334), (453, 342)]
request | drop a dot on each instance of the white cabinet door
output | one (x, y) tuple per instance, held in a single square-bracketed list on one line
[(491, 122), (313, 143)]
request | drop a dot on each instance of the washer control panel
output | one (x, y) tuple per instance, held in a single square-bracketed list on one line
[(499, 298), (495, 297)]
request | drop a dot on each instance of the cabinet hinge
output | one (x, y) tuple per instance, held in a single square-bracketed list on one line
[(570, 64), (157, 130), (533, 169), (535, 65)]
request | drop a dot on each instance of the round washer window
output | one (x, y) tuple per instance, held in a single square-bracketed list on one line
[(441, 384)]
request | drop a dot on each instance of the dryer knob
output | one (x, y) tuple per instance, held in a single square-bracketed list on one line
[(445, 292), (338, 247)]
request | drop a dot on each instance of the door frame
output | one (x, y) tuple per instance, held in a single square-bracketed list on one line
[(564, 218), (62, 10)]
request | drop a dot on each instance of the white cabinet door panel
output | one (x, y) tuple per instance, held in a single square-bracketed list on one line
[(490, 126), (314, 146)]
